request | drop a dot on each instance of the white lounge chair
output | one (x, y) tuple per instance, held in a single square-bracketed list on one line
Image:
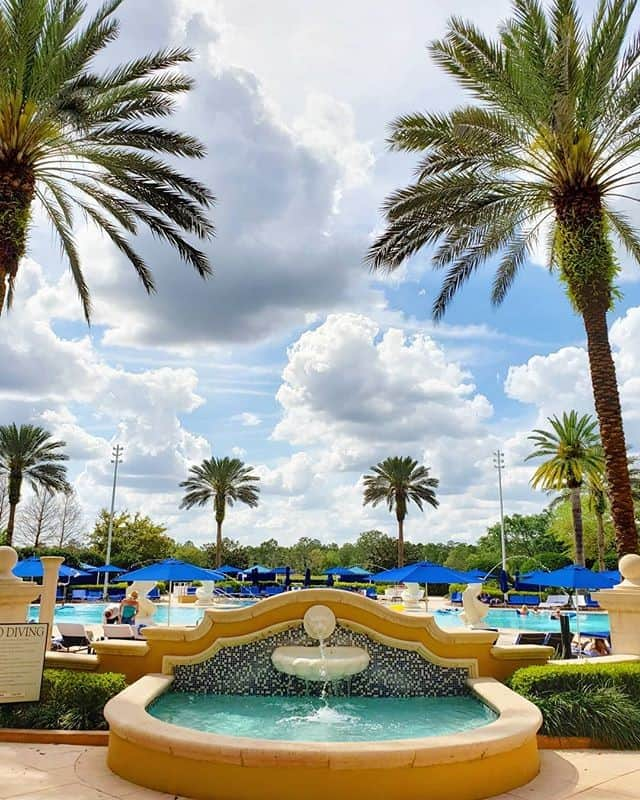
[(555, 601), (119, 632), (74, 637)]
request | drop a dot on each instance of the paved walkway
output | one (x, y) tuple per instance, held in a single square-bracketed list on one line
[(65, 772)]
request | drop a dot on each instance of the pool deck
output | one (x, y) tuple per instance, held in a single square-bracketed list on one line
[(57, 772)]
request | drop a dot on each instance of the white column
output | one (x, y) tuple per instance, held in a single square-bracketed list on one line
[(50, 570), (623, 604), (15, 594)]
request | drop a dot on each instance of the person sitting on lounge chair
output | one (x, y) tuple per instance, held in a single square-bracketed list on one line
[(596, 647), (129, 608)]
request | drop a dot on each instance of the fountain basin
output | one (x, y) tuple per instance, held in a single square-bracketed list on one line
[(316, 664), (467, 765)]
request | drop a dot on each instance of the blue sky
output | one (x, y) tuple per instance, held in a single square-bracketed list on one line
[(293, 356)]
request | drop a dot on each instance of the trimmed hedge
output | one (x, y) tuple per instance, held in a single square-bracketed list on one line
[(70, 700), (600, 701)]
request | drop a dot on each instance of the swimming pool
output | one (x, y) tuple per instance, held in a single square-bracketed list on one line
[(594, 622), (91, 613)]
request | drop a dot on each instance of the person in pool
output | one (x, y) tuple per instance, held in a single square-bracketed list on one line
[(111, 615), (129, 608), (523, 611)]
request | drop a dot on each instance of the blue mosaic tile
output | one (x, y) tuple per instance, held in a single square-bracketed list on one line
[(247, 669)]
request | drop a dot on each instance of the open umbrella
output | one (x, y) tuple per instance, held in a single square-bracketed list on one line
[(227, 569), (572, 577), (32, 568), (421, 572), (171, 570), (349, 573)]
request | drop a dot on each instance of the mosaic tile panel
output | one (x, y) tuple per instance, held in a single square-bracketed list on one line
[(247, 669)]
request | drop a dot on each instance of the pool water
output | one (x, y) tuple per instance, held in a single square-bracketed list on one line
[(91, 613), (311, 719), (506, 618)]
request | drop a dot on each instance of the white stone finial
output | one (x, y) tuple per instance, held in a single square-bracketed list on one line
[(8, 560), (629, 567), (319, 622)]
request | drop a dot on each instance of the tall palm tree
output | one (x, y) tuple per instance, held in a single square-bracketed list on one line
[(399, 481), (225, 481), (29, 452), (551, 141), (73, 137), (573, 458)]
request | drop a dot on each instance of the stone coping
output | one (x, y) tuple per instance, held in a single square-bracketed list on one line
[(310, 597), (520, 652), (517, 724)]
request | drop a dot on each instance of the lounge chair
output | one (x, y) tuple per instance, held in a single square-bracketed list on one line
[(554, 640), (119, 632), (154, 594), (456, 598), (531, 638), (523, 600), (116, 595), (79, 594), (74, 637), (555, 601), (94, 595), (270, 591)]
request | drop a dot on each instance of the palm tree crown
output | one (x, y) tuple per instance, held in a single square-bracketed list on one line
[(550, 143), (74, 138), (226, 481), (29, 452), (573, 458), (397, 482)]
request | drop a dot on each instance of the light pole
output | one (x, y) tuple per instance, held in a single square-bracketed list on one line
[(116, 460), (498, 463)]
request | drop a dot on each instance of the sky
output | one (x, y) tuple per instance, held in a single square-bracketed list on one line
[(294, 357)]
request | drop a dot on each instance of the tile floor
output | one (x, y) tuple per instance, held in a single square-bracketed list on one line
[(66, 772)]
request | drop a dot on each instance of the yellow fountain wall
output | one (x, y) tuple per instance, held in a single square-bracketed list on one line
[(475, 649)]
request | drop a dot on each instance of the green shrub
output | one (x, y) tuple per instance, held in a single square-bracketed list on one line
[(70, 700), (601, 701)]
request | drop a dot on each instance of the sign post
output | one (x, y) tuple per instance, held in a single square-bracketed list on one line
[(22, 651)]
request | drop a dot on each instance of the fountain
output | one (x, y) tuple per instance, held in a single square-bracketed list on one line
[(250, 695), (474, 610), (320, 663)]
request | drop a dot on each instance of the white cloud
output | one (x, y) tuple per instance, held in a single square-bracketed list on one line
[(247, 419)]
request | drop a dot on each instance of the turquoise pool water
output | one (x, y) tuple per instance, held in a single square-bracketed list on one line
[(310, 719), (505, 618), (91, 613)]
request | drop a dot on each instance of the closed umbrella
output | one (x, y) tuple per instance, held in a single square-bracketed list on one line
[(307, 578), (171, 570), (330, 580), (287, 578)]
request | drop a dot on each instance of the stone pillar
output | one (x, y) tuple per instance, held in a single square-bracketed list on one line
[(15, 594), (623, 604), (50, 570)]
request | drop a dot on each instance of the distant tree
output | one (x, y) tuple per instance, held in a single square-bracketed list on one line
[(597, 500), (573, 456), (225, 481), (136, 539), (398, 482), (70, 519), (29, 453), (233, 553), (375, 551), (191, 553), (37, 522)]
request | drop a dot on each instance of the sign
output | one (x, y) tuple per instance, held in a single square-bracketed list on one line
[(22, 650)]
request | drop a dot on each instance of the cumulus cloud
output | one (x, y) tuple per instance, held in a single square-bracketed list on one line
[(247, 419)]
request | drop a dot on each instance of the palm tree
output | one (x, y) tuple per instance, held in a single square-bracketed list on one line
[(573, 457), (225, 481), (76, 138), (551, 141), (29, 452), (597, 500), (399, 481)]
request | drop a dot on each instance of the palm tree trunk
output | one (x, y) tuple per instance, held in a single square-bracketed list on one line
[(218, 542), (401, 541), (11, 522), (607, 402), (600, 538), (17, 186), (576, 512)]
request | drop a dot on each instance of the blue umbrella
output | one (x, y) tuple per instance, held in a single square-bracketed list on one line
[(228, 570), (258, 569), (110, 568), (280, 570), (32, 568), (172, 570), (612, 574), (503, 580), (476, 575), (349, 573), (421, 572), (330, 580), (287, 578), (88, 567)]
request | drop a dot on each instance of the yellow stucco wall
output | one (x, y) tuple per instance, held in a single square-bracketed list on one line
[(136, 659)]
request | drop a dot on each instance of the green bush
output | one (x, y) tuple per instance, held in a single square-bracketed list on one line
[(601, 701), (70, 700)]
